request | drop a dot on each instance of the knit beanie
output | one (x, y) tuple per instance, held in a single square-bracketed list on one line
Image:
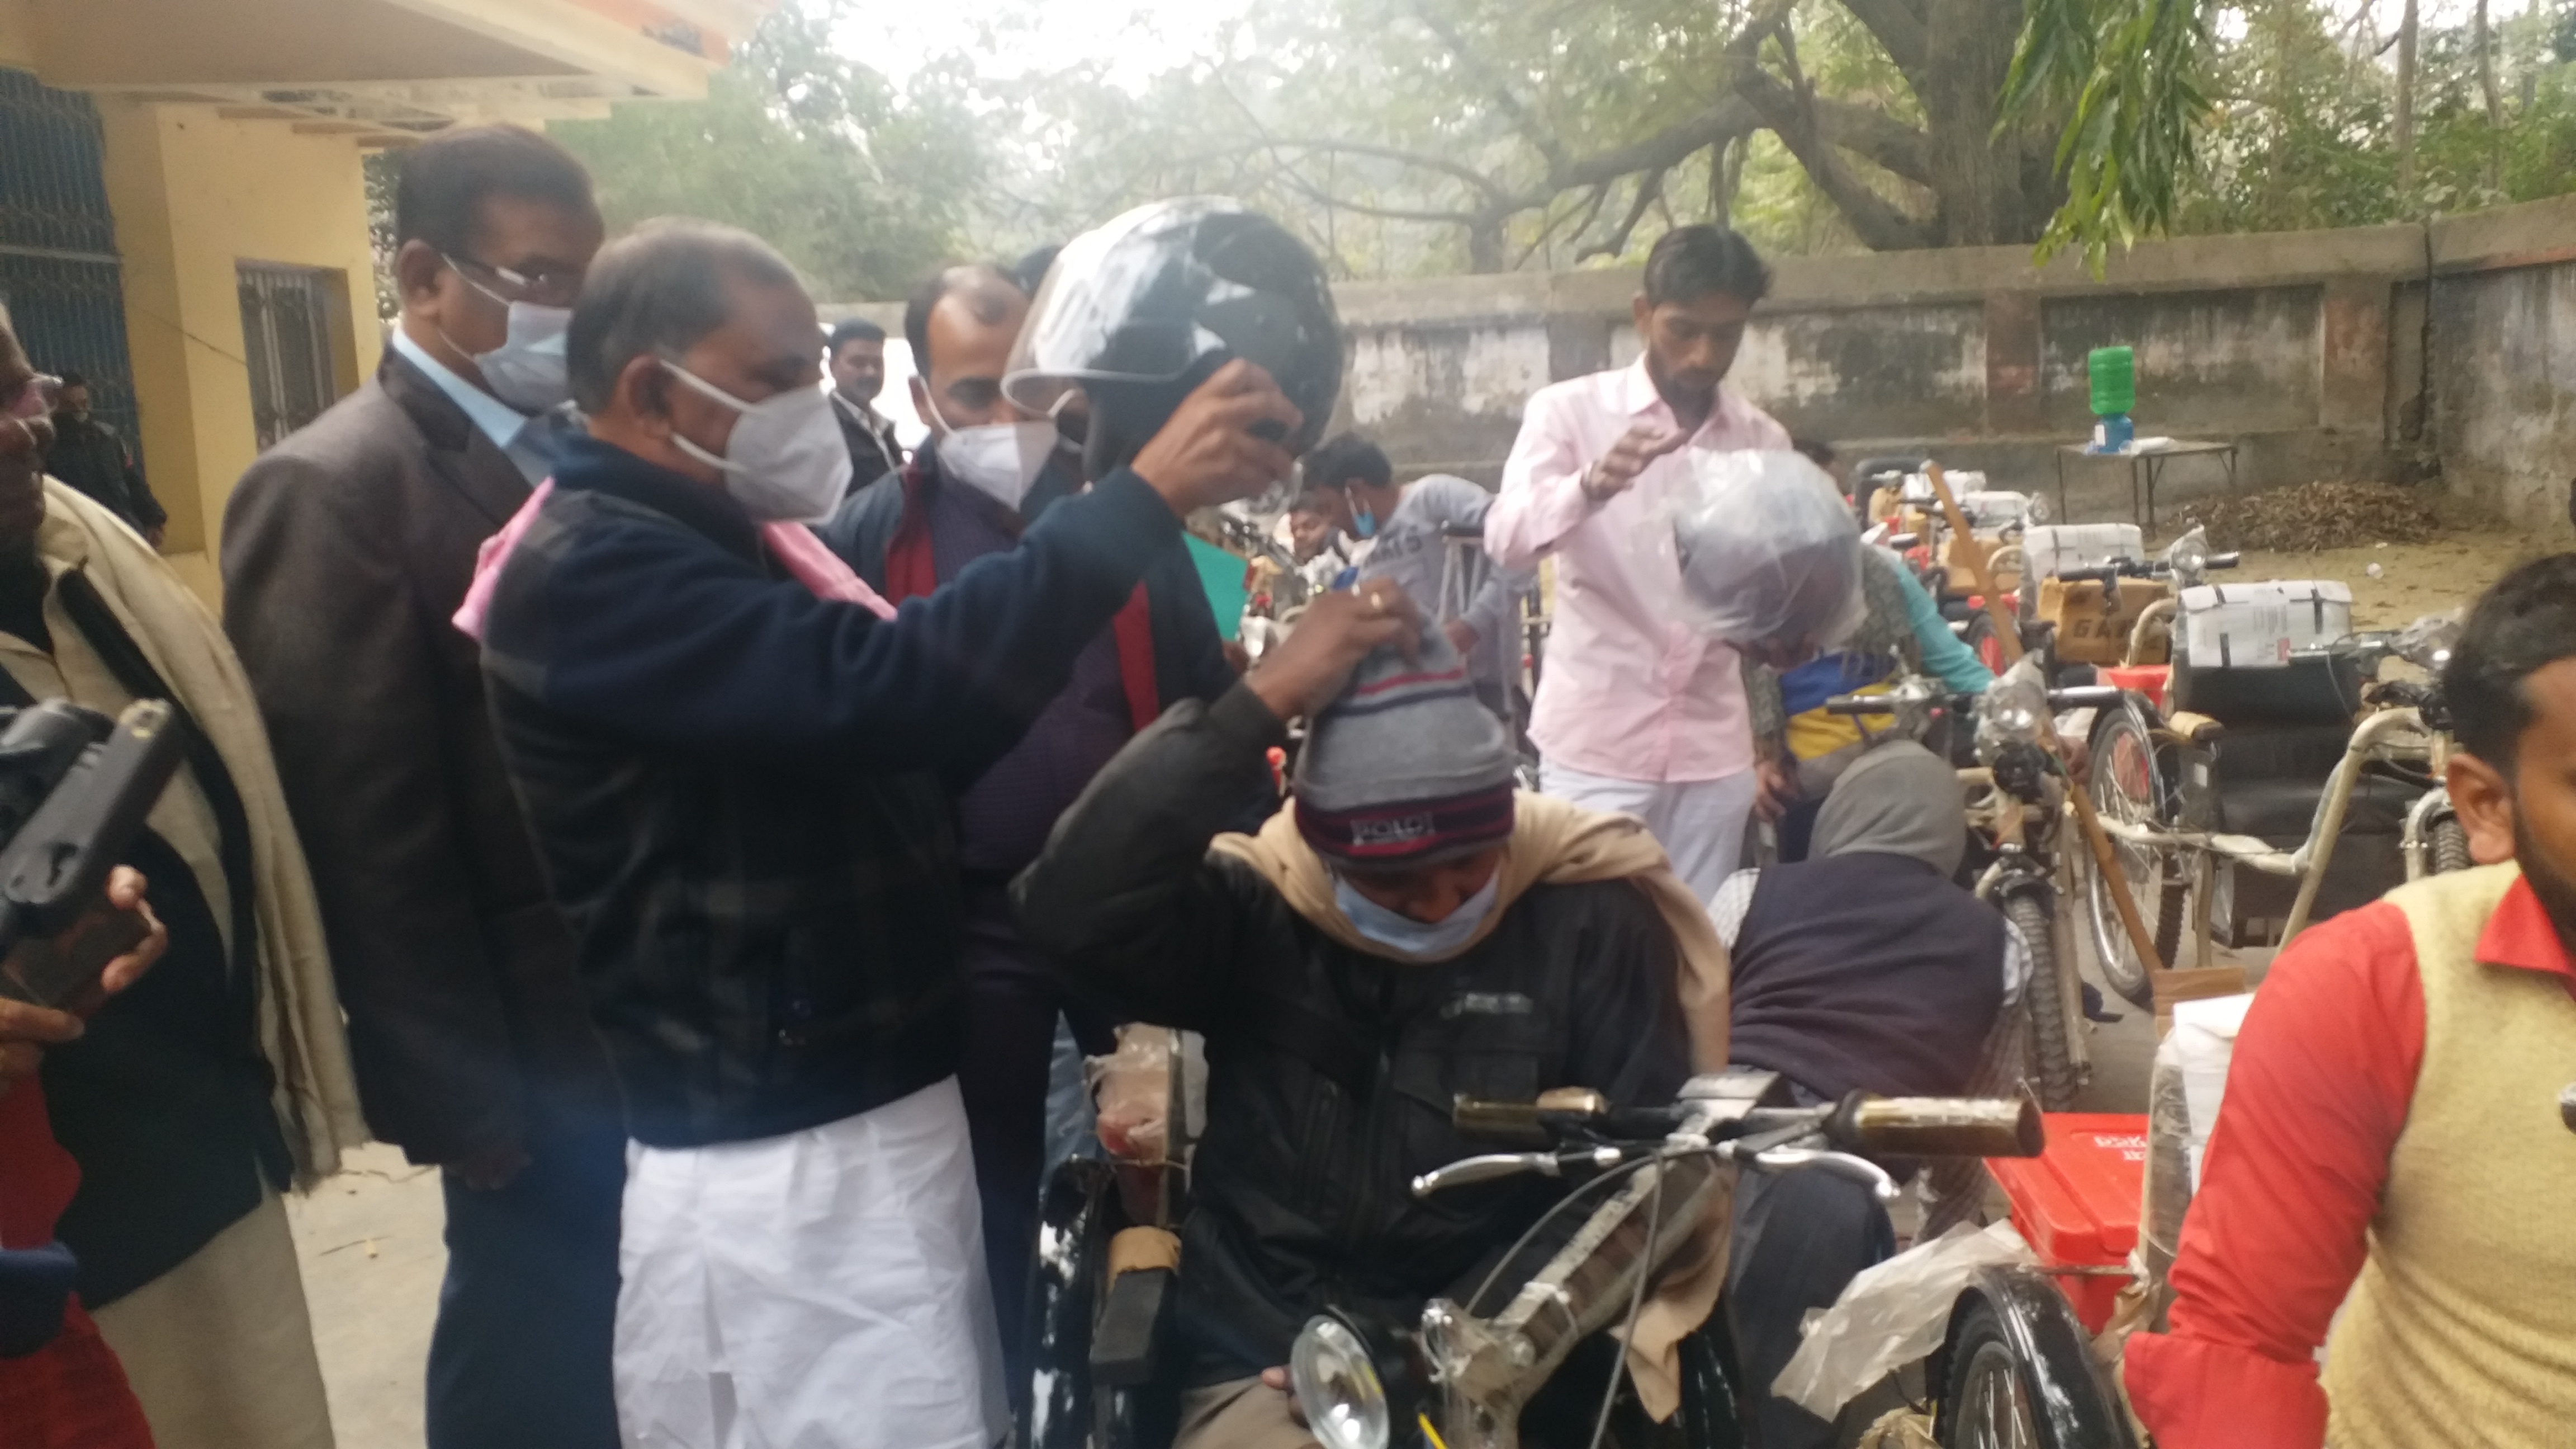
[(1405, 768)]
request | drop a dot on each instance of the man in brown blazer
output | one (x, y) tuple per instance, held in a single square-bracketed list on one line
[(345, 550)]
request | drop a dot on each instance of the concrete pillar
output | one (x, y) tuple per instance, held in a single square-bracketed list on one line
[(1577, 345), (2013, 402), (2353, 353)]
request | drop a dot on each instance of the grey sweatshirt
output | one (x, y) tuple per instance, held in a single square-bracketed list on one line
[(1411, 550)]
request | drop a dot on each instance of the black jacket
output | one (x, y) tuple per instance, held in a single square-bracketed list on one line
[(874, 453), (1331, 1071), (1866, 971), (92, 457), (1189, 655), (731, 782), (346, 549)]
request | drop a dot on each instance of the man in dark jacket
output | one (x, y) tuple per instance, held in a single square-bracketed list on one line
[(1863, 968), (857, 355), (346, 548), (1406, 932), (920, 534), (732, 776), (93, 457)]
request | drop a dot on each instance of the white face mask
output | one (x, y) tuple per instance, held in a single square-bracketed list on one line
[(1406, 936), (528, 370), (998, 460), (785, 462)]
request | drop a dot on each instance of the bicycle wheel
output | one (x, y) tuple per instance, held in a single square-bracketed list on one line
[(2129, 785), (1989, 1397), (2450, 846), (2052, 1055)]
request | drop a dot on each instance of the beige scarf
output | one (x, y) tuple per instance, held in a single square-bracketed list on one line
[(301, 1032), (1556, 843)]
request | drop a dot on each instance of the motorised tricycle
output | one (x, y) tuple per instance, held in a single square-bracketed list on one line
[(1475, 1371), (2254, 800), (2016, 809)]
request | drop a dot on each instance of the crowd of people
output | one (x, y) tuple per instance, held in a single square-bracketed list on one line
[(629, 781)]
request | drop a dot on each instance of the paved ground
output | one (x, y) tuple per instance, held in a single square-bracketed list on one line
[(369, 1240), (372, 1258)]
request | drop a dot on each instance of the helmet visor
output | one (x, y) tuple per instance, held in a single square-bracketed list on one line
[(1166, 290)]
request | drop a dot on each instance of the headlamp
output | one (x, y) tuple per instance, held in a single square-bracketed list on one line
[(1337, 1384), (2013, 710), (2189, 556)]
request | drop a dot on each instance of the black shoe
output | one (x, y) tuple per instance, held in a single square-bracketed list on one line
[(2094, 1008)]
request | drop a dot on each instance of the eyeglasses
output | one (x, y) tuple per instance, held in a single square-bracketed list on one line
[(546, 289), (33, 398)]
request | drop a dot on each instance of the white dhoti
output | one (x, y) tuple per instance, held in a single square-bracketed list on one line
[(821, 1290)]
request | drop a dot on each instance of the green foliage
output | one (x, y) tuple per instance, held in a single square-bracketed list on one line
[(2128, 75), (862, 188)]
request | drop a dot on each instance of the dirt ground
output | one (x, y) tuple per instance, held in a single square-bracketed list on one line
[(2415, 578)]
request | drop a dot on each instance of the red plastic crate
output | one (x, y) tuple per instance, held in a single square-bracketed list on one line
[(2150, 680), (2077, 1203)]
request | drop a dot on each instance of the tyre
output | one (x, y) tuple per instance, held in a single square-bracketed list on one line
[(1989, 1400), (1982, 640), (2450, 846), (2051, 1058), (2131, 783), (2017, 1372)]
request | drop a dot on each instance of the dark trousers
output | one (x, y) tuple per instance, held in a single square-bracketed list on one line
[(1013, 996), (1800, 1238), (527, 1316)]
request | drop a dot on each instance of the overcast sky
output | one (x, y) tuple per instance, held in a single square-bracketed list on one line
[(1139, 37)]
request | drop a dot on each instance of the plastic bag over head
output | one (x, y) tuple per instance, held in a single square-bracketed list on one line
[(1769, 551)]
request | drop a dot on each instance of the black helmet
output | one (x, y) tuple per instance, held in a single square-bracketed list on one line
[(1140, 311)]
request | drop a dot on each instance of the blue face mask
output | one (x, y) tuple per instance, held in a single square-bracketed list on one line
[(1405, 936), (1363, 522)]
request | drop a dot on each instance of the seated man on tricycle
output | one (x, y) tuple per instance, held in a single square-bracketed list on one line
[(1408, 931)]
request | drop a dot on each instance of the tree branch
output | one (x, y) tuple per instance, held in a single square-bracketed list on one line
[(1649, 187), (1483, 184), (1523, 120), (1590, 208), (1316, 194), (1871, 133), (1790, 111), (1899, 28)]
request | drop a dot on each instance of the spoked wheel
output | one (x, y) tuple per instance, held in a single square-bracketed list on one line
[(1990, 1402), (2052, 1055), (2018, 1372), (2130, 784)]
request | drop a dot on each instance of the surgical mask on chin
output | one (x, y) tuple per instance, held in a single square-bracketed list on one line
[(785, 462), (1405, 936), (998, 460), (1363, 522), (528, 370)]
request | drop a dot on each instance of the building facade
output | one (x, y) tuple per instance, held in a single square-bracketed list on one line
[(183, 200)]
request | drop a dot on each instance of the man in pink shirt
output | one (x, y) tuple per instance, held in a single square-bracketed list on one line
[(1637, 710)]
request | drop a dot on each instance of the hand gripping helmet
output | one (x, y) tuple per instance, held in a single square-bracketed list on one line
[(1135, 314)]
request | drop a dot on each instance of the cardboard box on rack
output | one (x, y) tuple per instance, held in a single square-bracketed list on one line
[(2197, 984)]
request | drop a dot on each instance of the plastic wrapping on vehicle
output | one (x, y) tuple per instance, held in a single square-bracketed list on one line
[(1766, 548), (2183, 1091), (1134, 1088), (1891, 1315)]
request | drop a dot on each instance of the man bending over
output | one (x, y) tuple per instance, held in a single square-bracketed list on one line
[(1406, 932)]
